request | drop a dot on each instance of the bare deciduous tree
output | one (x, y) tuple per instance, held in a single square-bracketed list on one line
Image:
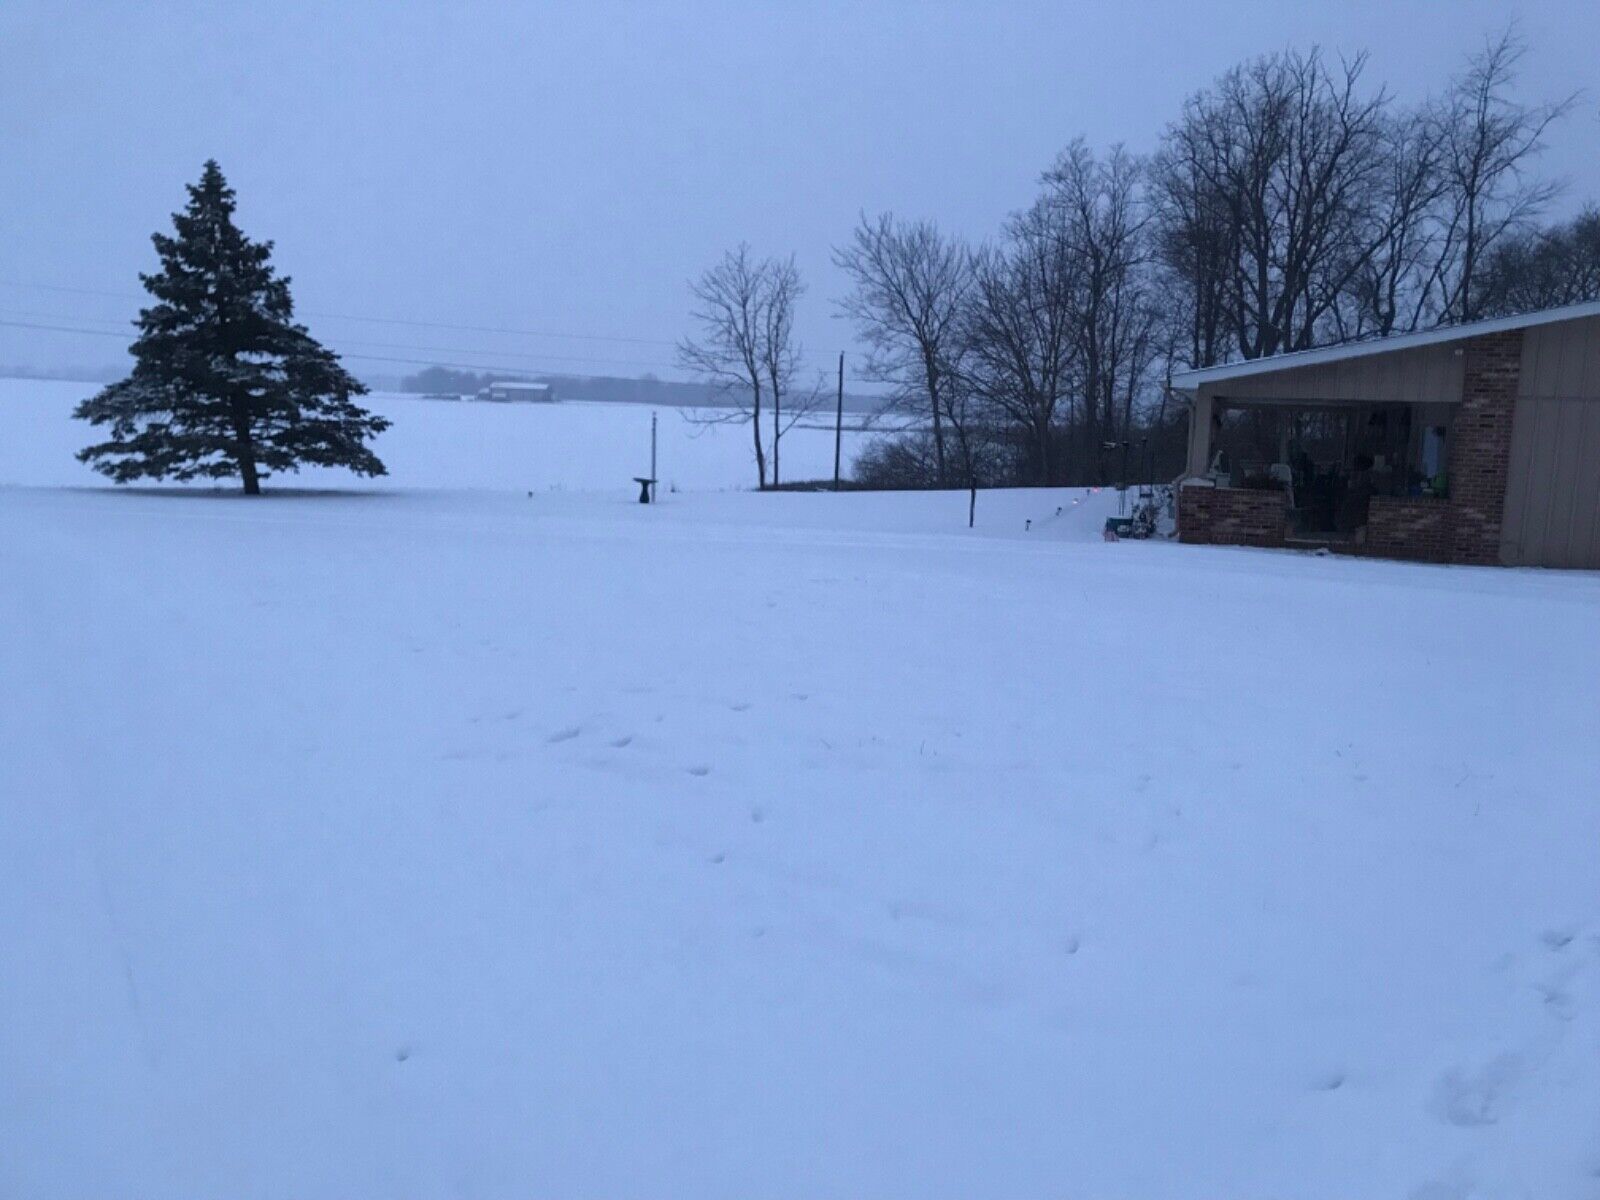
[(1020, 335), (1195, 247), (1543, 268), (745, 310), (1487, 143), (780, 355), (1104, 220), (1291, 151), (1390, 294), (910, 287)]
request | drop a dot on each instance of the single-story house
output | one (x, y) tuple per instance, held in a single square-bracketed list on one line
[(1475, 443), (519, 392)]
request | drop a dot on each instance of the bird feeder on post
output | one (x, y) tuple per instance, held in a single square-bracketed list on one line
[(647, 483)]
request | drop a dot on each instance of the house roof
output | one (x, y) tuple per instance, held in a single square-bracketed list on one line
[(1188, 381)]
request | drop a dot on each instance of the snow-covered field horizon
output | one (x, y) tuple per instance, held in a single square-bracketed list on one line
[(434, 839), (572, 445)]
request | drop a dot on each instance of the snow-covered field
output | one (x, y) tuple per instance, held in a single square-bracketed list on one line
[(572, 445), (434, 842)]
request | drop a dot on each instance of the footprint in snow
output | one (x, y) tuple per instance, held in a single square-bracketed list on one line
[(1557, 939), (563, 735), (1328, 1081), (1466, 1098), (741, 706), (619, 743), (700, 771)]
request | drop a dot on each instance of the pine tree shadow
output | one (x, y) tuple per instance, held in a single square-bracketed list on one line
[(201, 492)]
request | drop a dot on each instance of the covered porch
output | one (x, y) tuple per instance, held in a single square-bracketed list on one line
[(1348, 448), (1338, 473)]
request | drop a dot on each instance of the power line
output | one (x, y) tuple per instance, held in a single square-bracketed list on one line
[(588, 337), (615, 362), (492, 329), (510, 369)]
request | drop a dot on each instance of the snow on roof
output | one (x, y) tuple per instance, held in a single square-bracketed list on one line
[(1188, 381), (520, 383)]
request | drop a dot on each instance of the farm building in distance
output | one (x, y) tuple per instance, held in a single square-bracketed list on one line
[(518, 391), (1475, 443)]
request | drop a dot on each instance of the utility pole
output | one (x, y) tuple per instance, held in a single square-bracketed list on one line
[(838, 424)]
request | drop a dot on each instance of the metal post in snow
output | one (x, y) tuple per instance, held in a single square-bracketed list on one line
[(652, 456)]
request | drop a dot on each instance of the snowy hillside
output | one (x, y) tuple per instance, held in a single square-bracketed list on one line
[(437, 842)]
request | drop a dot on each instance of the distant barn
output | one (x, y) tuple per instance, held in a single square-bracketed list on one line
[(518, 392)]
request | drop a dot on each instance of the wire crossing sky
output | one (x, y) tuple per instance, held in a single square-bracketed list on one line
[(542, 181)]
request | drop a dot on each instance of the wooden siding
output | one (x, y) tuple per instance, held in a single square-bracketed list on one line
[(1426, 374), (1562, 361), (1553, 486)]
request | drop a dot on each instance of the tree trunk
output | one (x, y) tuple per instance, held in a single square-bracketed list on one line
[(755, 428), (247, 453), (777, 432), (931, 376)]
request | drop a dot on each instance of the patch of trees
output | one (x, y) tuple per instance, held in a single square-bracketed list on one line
[(448, 381), (1291, 204)]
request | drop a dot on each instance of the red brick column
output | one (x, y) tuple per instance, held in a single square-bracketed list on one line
[(1480, 445), (1415, 527), (1221, 516)]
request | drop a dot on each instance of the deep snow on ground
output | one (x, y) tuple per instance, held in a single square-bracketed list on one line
[(447, 843)]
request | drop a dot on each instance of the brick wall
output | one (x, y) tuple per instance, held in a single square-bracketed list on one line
[(1480, 445), (1413, 527), (1231, 516)]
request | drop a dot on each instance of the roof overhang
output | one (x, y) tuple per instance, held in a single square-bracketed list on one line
[(1190, 381)]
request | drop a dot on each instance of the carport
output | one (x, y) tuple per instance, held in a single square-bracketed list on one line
[(1475, 443)]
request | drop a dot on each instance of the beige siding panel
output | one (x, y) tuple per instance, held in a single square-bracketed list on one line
[(1557, 533), (1422, 375), (1552, 514), (1542, 460), (1562, 360), (1584, 535), (1519, 479)]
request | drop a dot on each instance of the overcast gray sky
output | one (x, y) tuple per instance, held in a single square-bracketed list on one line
[(566, 167)]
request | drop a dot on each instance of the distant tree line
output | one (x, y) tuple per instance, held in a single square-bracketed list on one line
[(1289, 205), (647, 389)]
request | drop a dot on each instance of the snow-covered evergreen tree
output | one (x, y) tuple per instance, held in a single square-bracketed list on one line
[(225, 382)]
